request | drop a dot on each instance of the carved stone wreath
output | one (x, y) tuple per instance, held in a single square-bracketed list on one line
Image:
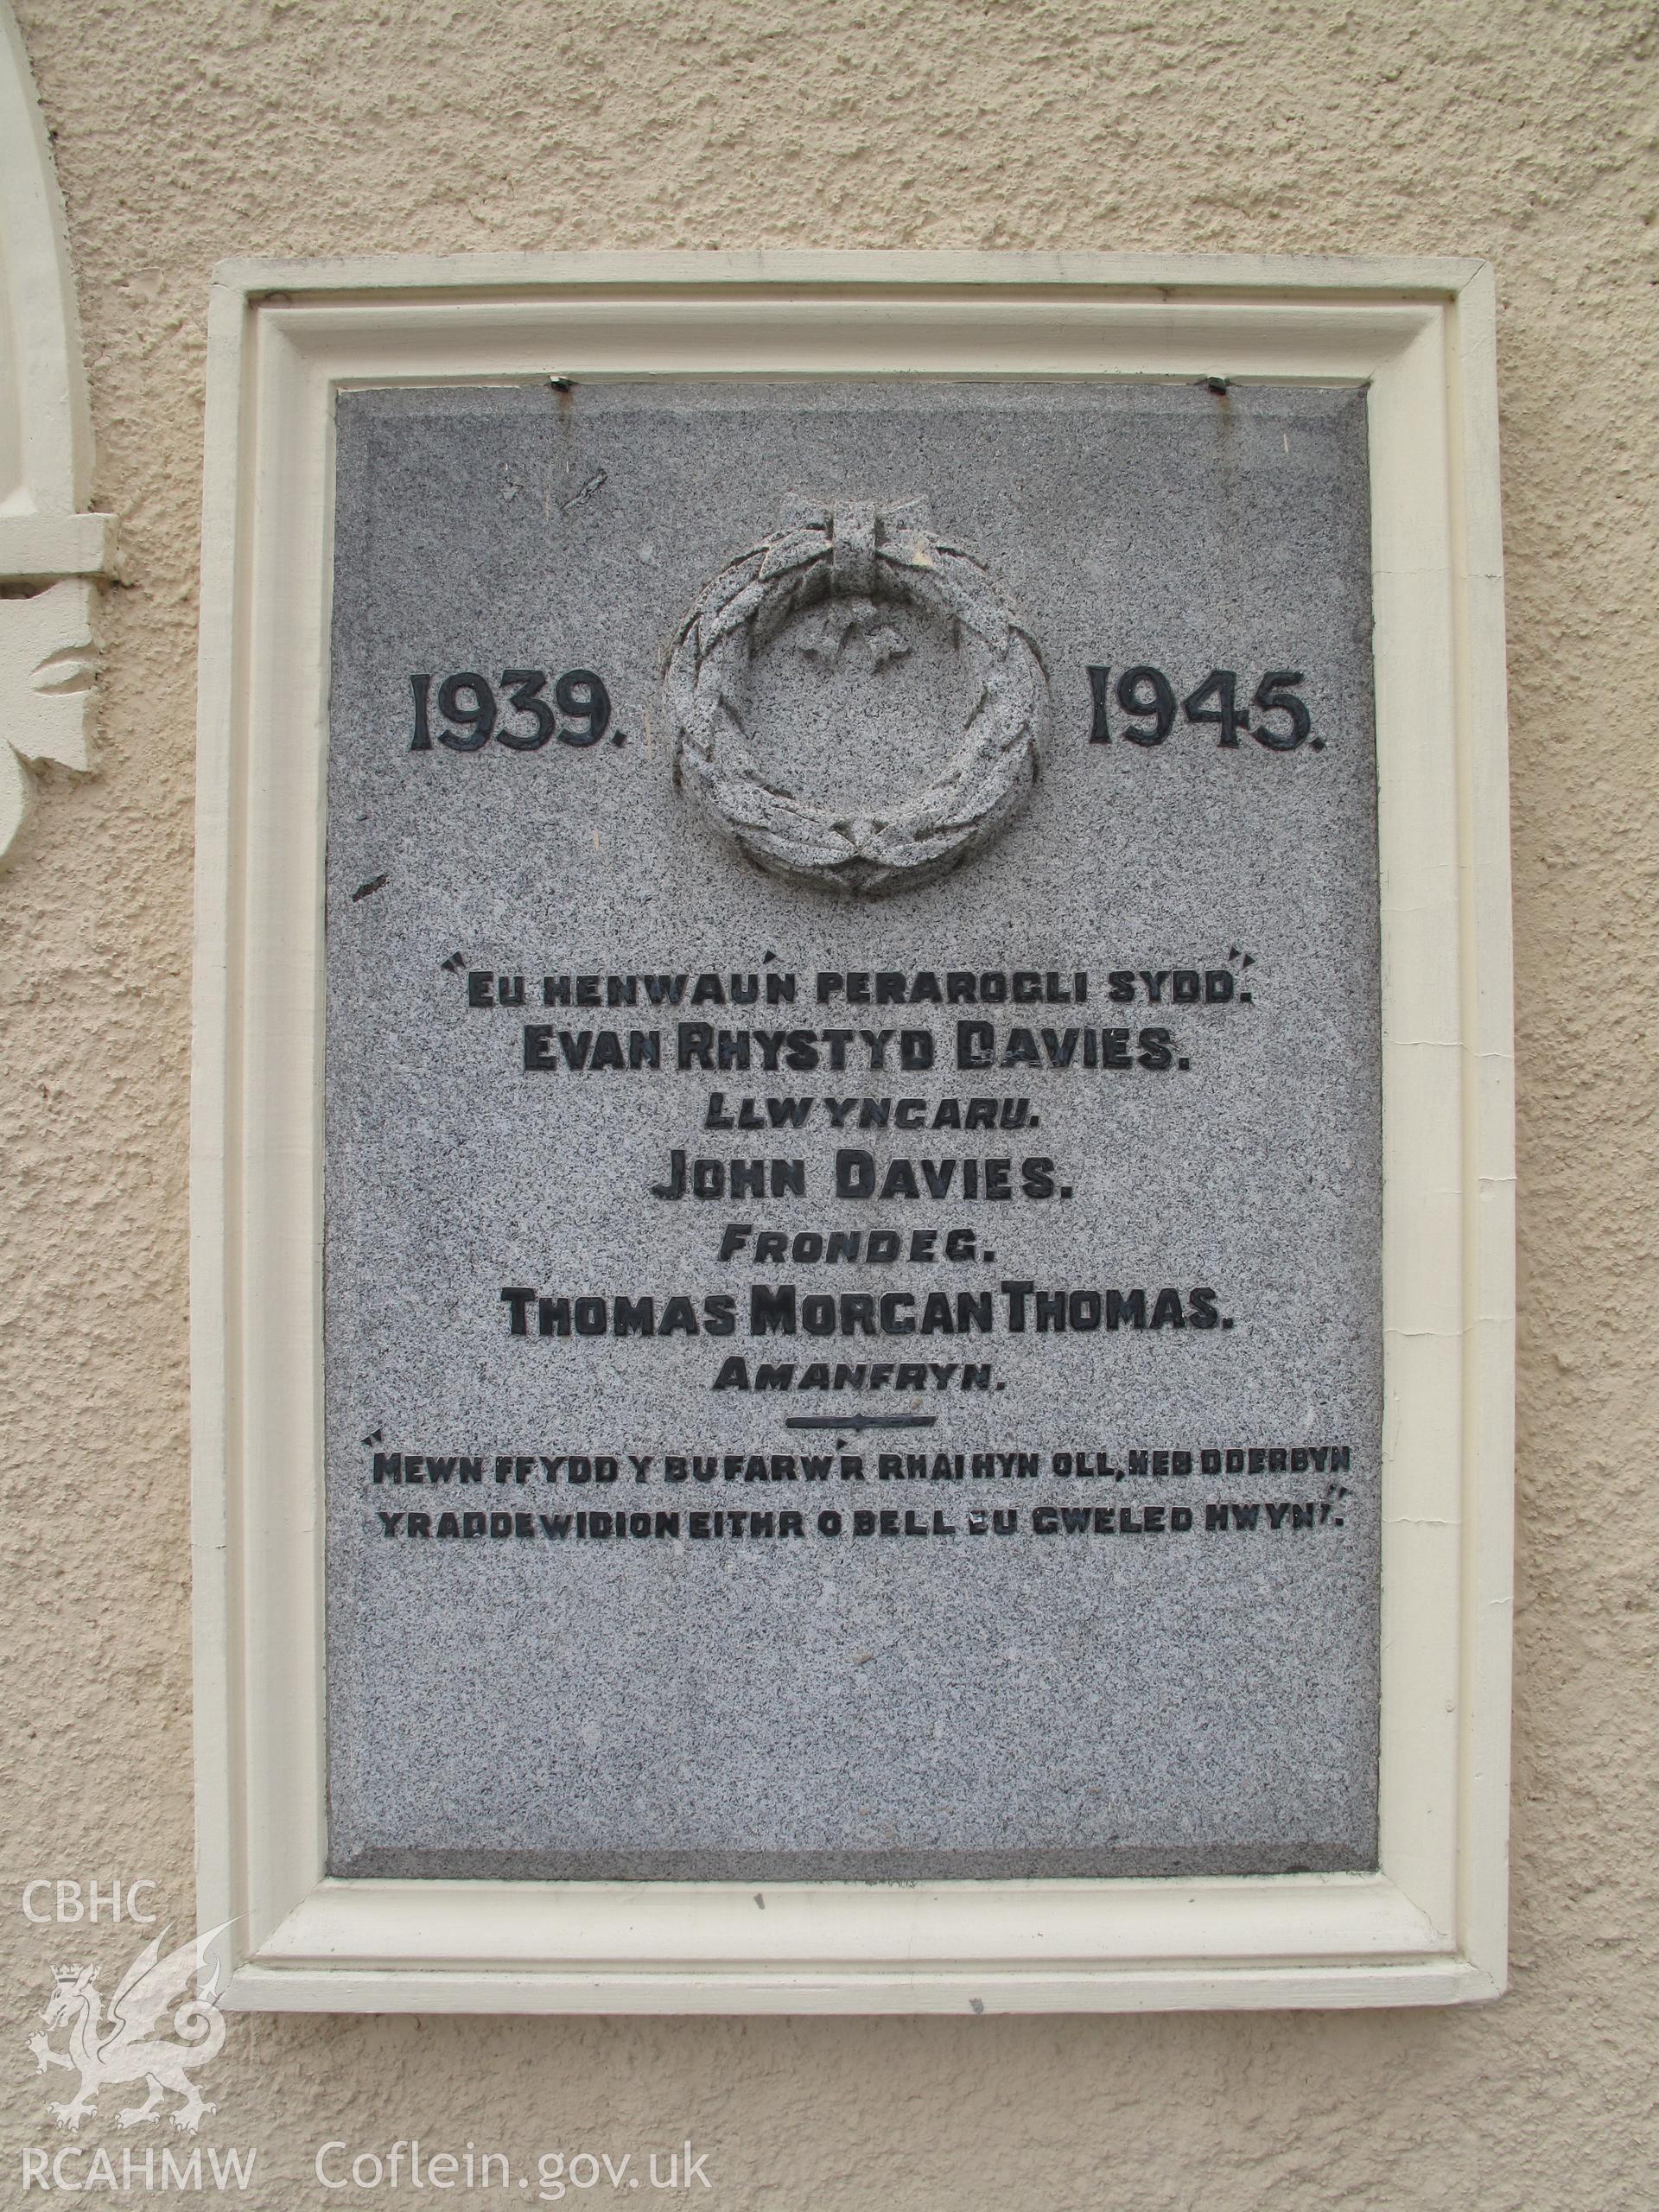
[(862, 553)]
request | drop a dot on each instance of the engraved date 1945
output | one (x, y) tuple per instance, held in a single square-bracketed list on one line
[(1146, 697)]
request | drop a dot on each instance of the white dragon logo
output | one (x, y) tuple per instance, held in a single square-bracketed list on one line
[(124, 2047)]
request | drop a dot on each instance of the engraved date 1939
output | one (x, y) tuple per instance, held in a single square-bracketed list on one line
[(470, 713)]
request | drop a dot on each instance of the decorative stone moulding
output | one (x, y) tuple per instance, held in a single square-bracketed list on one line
[(51, 552), (858, 561)]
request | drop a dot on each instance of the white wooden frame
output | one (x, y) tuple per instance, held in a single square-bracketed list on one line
[(1430, 1927)]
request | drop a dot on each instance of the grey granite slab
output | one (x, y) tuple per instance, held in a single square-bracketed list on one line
[(1099, 1700)]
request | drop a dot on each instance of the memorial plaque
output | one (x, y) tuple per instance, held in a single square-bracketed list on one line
[(852, 1286)]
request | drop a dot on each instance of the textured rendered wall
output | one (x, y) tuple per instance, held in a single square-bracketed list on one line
[(190, 129)]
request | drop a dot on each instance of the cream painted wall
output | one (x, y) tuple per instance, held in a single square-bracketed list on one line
[(190, 129)]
